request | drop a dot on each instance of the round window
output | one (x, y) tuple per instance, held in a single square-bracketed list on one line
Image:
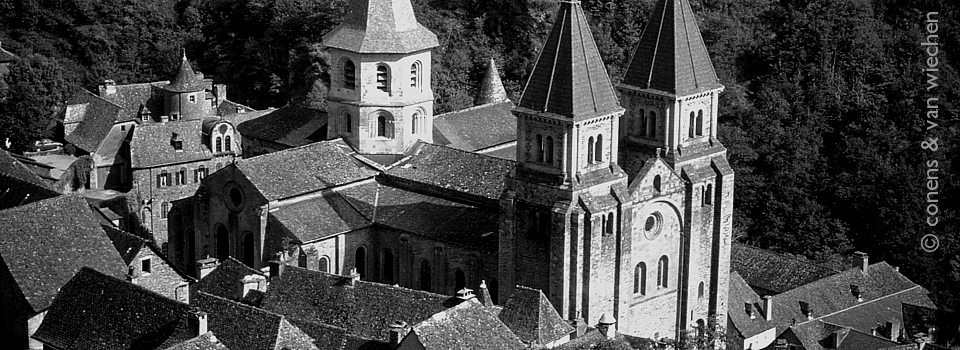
[(652, 225), (233, 196), (236, 198)]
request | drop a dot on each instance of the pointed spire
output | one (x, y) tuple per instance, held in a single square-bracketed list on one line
[(569, 78), (186, 79), (671, 56), (381, 26), (483, 295), (491, 90)]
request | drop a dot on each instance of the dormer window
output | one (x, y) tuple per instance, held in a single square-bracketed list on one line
[(383, 78), (193, 98)]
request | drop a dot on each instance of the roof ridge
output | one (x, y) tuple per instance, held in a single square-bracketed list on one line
[(136, 287), (242, 305), (791, 256)]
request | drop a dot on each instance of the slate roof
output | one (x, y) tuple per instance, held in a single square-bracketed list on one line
[(205, 341), (127, 244), (381, 26), (300, 170), (366, 309), (133, 98), (291, 126), (19, 185), (451, 169), (97, 311), (740, 295), (468, 325), (98, 117), (569, 78), (491, 88), (531, 317), (45, 243), (226, 280), (477, 127), (671, 56), (317, 218), (774, 272), (241, 326), (818, 335), (186, 80), (151, 146)]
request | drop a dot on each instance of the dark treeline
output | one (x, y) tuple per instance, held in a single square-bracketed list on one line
[(823, 112)]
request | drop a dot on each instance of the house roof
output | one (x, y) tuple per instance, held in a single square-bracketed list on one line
[(186, 80), (445, 168), (127, 244), (317, 218), (381, 26), (671, 56), (468, 325), (241, 326), (819, 335), (19, 185), (569, 78), (304, 169), (46, 242), (774, 272), (135, 98), (151, 144), (476, 127), (531, 317), (97, 311), (491, 88), (365, 309), (205, 341), (740, 297), (226, 280), (96, 117), (291, 126)]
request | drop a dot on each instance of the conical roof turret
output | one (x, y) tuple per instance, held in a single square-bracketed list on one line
[(381, 26), (186, 79), (491, 90)]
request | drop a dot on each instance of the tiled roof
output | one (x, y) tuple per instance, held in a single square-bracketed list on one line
[(317, 218), (290, 126), (19, 185), (820, 335), (509, 152), (133, 98), (468, 325), (671, 56), (491, 88), (151, 144), (300, 170), (186, 80), (477, 127), (226, 280), (241, 326), (205, 341), (532, 318), (366, 309), (381, 26), (96, 311), (127, 244), (451, 169), (569, 78), (774, 272), (45, 243), (740, 296), (98, 117), (326, 337)]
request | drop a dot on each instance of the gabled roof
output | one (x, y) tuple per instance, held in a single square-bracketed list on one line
[(205, 341), (19, 185), (127, 244), (570, 79), (134, 98), (774, 272), (381, 26), (468, 325), (741, 297), (97, 311), (819, 335), (185, 80), (467, 173), (532, 318), (45, 243), (671, 56), (96, 115), (241, 326), (365, 309), (304, 169), (477, 127), (317, 218), (151, 144), (491, 88), (226, 280), (290, 126)]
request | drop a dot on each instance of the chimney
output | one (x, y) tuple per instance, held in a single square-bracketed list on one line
[(483, 295), (465, 294), (398, 330), (276, 268), (607, 326), (219, 93), (579, 325), (749, 308), (198, 323), (862, 260), (768, 307), (837, 338), (806, 309), (893, 327), (857, 293), (109, 87), (354, 277), (204, 266), (252, 282)]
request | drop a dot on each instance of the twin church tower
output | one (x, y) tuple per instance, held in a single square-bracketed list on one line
[(621, 198)]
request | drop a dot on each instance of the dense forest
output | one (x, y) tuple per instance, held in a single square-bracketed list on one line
[(824, 113)]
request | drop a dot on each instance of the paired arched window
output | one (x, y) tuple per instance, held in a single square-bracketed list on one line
[(663, 271), (385, 125), (590, 144), (425, 283), (640, 279), (387, 272), (248, 255), (415, 74), (219, 145), (652, 124), (360, 261), (324, 264), (349, 75), (383, 78), (227, 143), (700, 123), (460, 279), (223, 242)]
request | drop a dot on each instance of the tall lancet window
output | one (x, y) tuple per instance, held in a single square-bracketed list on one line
[(349, 75)]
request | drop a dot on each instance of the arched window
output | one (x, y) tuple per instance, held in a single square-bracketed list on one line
[(223, 242), (663, 268), (383, 78), (415, 74), (219, 166), (693, 122), (346, 122), (182, 176), (656, 183), (598, 150), (360, 261), (640, 279), (324, 264), (708, 196), (248, 257), (164, 207), (700, 123), (610, 224), (349, 75), (385, 125), (642, 130), (418, 127), (219, 147), (538, 148), (387, 266), (701, 329), (163, 179), (548, 149), (425, 282), (652, 125), (201, 173), (590, 150), (460, 280), (227, 143), (700, 291)]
